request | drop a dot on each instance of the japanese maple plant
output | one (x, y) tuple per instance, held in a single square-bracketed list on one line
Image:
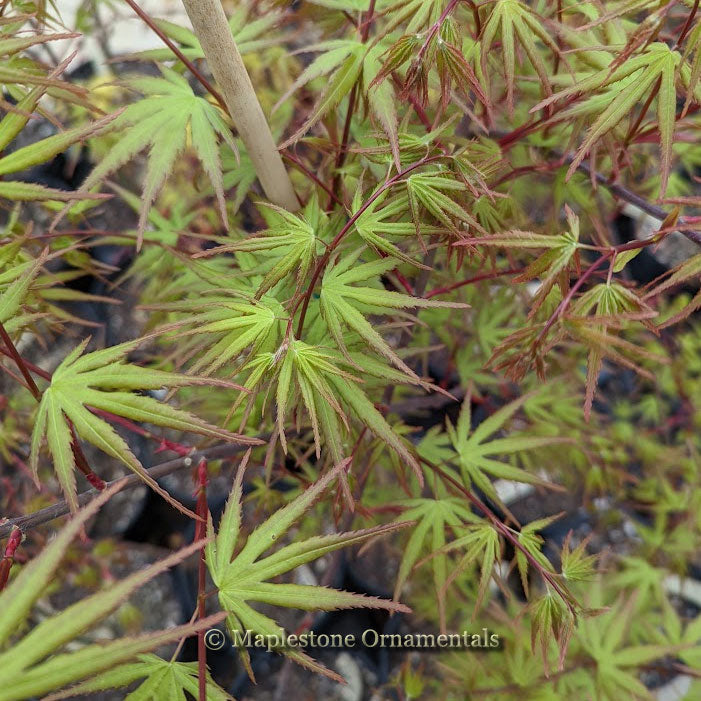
[(365, 266)]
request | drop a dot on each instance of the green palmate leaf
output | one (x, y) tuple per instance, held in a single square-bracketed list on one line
[(164, 680), (429, 190), (512, 20), (343, 303), (480, 540), (98, 380), (551, 622), (562, 250), (242, 578), (532, 542), (655, 71), (31, 666), (378, 222), (433, 517), (13, 295), (306, 370), (339, 86), (161, 122), (606, 639), (333, 54), (302, 373), (349, 59), (291, 243), (477, 457), (237, 325), (576, 564)]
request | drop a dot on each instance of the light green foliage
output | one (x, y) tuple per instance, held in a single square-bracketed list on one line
[(34, 664), (102, 380), (291, 244), (375, 224), (434, 517), (168, 117), (477, 457), (23, 80), (343, 302), (242, 577), (689, 270), (311, 370), (40, 152), (548, 267), (237, 325), (604, 639), (163, 679), (31, 291), (249, 34), (511, 21), (349, 61), (655, 71), (533, 544), (17, 280), (428, 190), (453, 342)]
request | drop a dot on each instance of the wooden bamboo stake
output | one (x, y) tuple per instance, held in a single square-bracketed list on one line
[(212, 29)]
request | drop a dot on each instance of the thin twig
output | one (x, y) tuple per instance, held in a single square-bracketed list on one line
[(343, 147), (471, 280), (21, 364), (312, 176), (61, 508), (691, 232), (507, 533), (181, 56), (687, 24), (304, 303)]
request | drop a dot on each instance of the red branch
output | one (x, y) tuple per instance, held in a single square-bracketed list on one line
[(687, 24), (186, 61), (9, 557), (304, 302), (508, 534), (21, 364), (477, 278)]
